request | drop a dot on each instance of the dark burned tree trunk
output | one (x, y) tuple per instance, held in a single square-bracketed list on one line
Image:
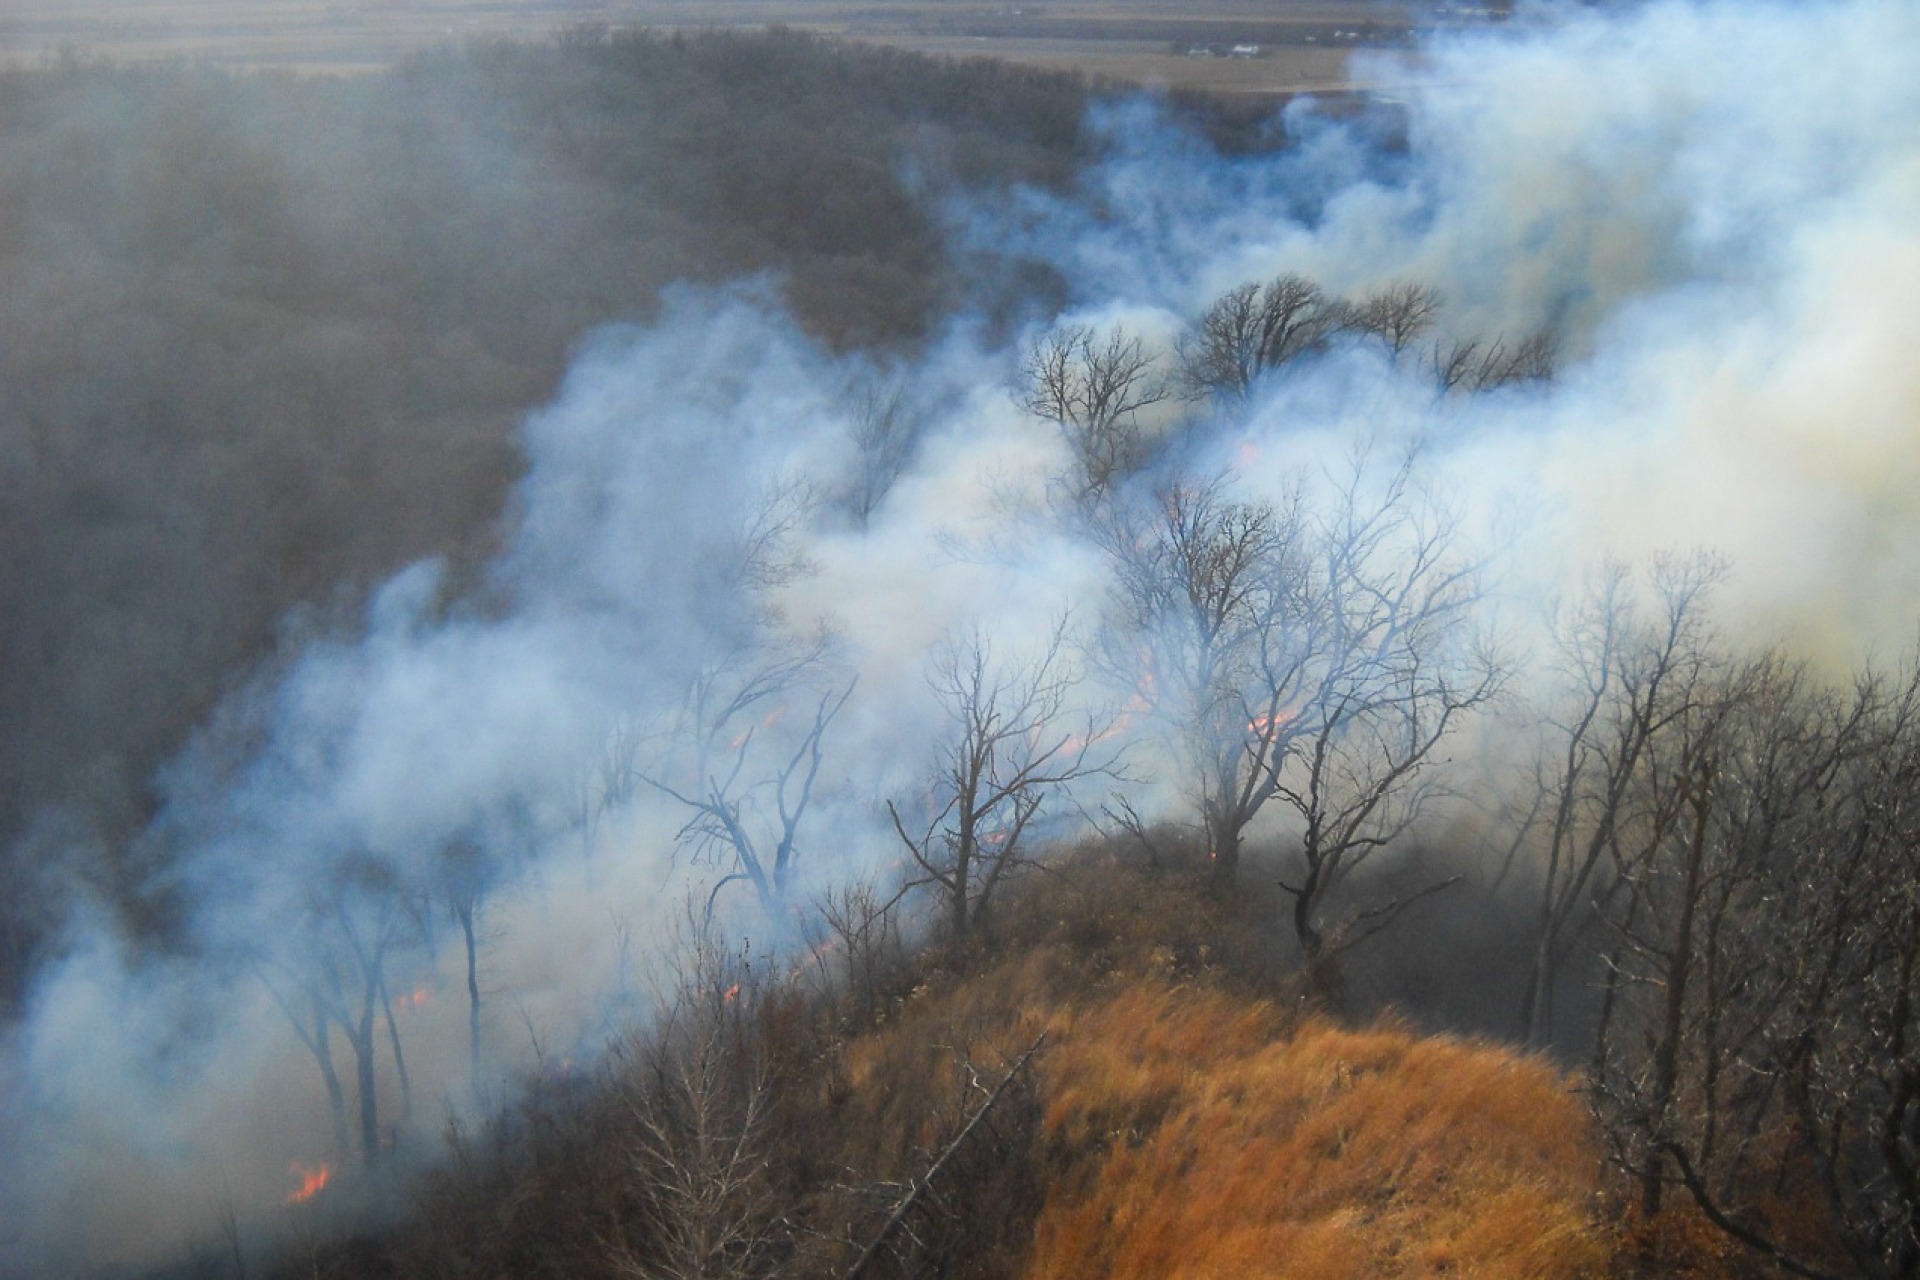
[(1320, 964), (1223, 851), (361, 1038), (1668, 1050), (322, 1046), (467, 873), (960, 895), (399, 1053), (470, 939)]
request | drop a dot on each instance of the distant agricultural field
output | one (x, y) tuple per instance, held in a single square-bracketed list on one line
[(1228, 46)]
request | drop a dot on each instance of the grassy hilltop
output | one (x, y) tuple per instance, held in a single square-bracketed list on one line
[(1180, 1116)]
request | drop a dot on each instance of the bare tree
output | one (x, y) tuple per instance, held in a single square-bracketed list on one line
[(764, 549), (698, 1090), (1252, 330), (355, 921), (1095, 387), (1477, 364), (467, 874), (1201, 580), (856, 931), (1313, 660), (1664, 1055), (309, 1018), (1761, 1011), (737, 751), (1396, 315), (1012, 745), (884, 428), (1630, 680), (1393, 667), (744, 774)]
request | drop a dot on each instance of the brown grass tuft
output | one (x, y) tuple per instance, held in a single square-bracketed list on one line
[(1221, 1146)]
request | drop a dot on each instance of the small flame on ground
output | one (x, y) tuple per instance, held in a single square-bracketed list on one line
[(415, 999), (730, 993), (312, 1182)]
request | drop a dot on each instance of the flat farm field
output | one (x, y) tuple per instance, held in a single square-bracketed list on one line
[(1227, 46)]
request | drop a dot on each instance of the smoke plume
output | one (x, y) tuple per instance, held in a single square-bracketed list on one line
[(1711, 207)]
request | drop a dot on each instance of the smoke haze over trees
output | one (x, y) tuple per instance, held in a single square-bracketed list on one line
[(268, 339), (1608, 292)]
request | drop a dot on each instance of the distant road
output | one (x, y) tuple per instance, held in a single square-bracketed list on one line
[(1229, 46)]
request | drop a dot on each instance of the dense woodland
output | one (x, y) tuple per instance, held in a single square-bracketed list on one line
[(266, 339)]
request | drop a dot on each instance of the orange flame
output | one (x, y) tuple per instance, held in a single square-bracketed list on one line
[(1261, 726), (731, 992), (767, 721), (312, 1181), (416, 998)]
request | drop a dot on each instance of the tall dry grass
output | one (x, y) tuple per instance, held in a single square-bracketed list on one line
[(1214, 1140)]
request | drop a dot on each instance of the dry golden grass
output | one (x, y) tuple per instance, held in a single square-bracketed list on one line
[(1191, 1128), (1229, 1146)]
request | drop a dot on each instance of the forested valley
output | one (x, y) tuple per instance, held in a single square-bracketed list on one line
[(732, 654), (267, 339)]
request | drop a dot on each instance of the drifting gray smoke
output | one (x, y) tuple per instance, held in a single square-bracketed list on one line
[(1713, 206)]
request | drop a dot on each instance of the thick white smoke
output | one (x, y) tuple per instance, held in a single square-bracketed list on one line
[(1713, 204)]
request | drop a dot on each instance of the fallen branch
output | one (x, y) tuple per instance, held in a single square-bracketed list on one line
[(914, 1189)]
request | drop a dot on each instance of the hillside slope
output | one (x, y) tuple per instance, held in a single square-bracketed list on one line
[(1222, 1143), (1178, 1117), (265, 340)]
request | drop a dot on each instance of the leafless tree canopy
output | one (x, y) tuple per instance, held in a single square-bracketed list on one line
[(1396, 315), (1761, 901), (699, 1092), (1475, 364), (743, 760), (1311, 657), (1254, 329), (1095, 387), (1202, 580), (884, 428), (1013, 745)]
